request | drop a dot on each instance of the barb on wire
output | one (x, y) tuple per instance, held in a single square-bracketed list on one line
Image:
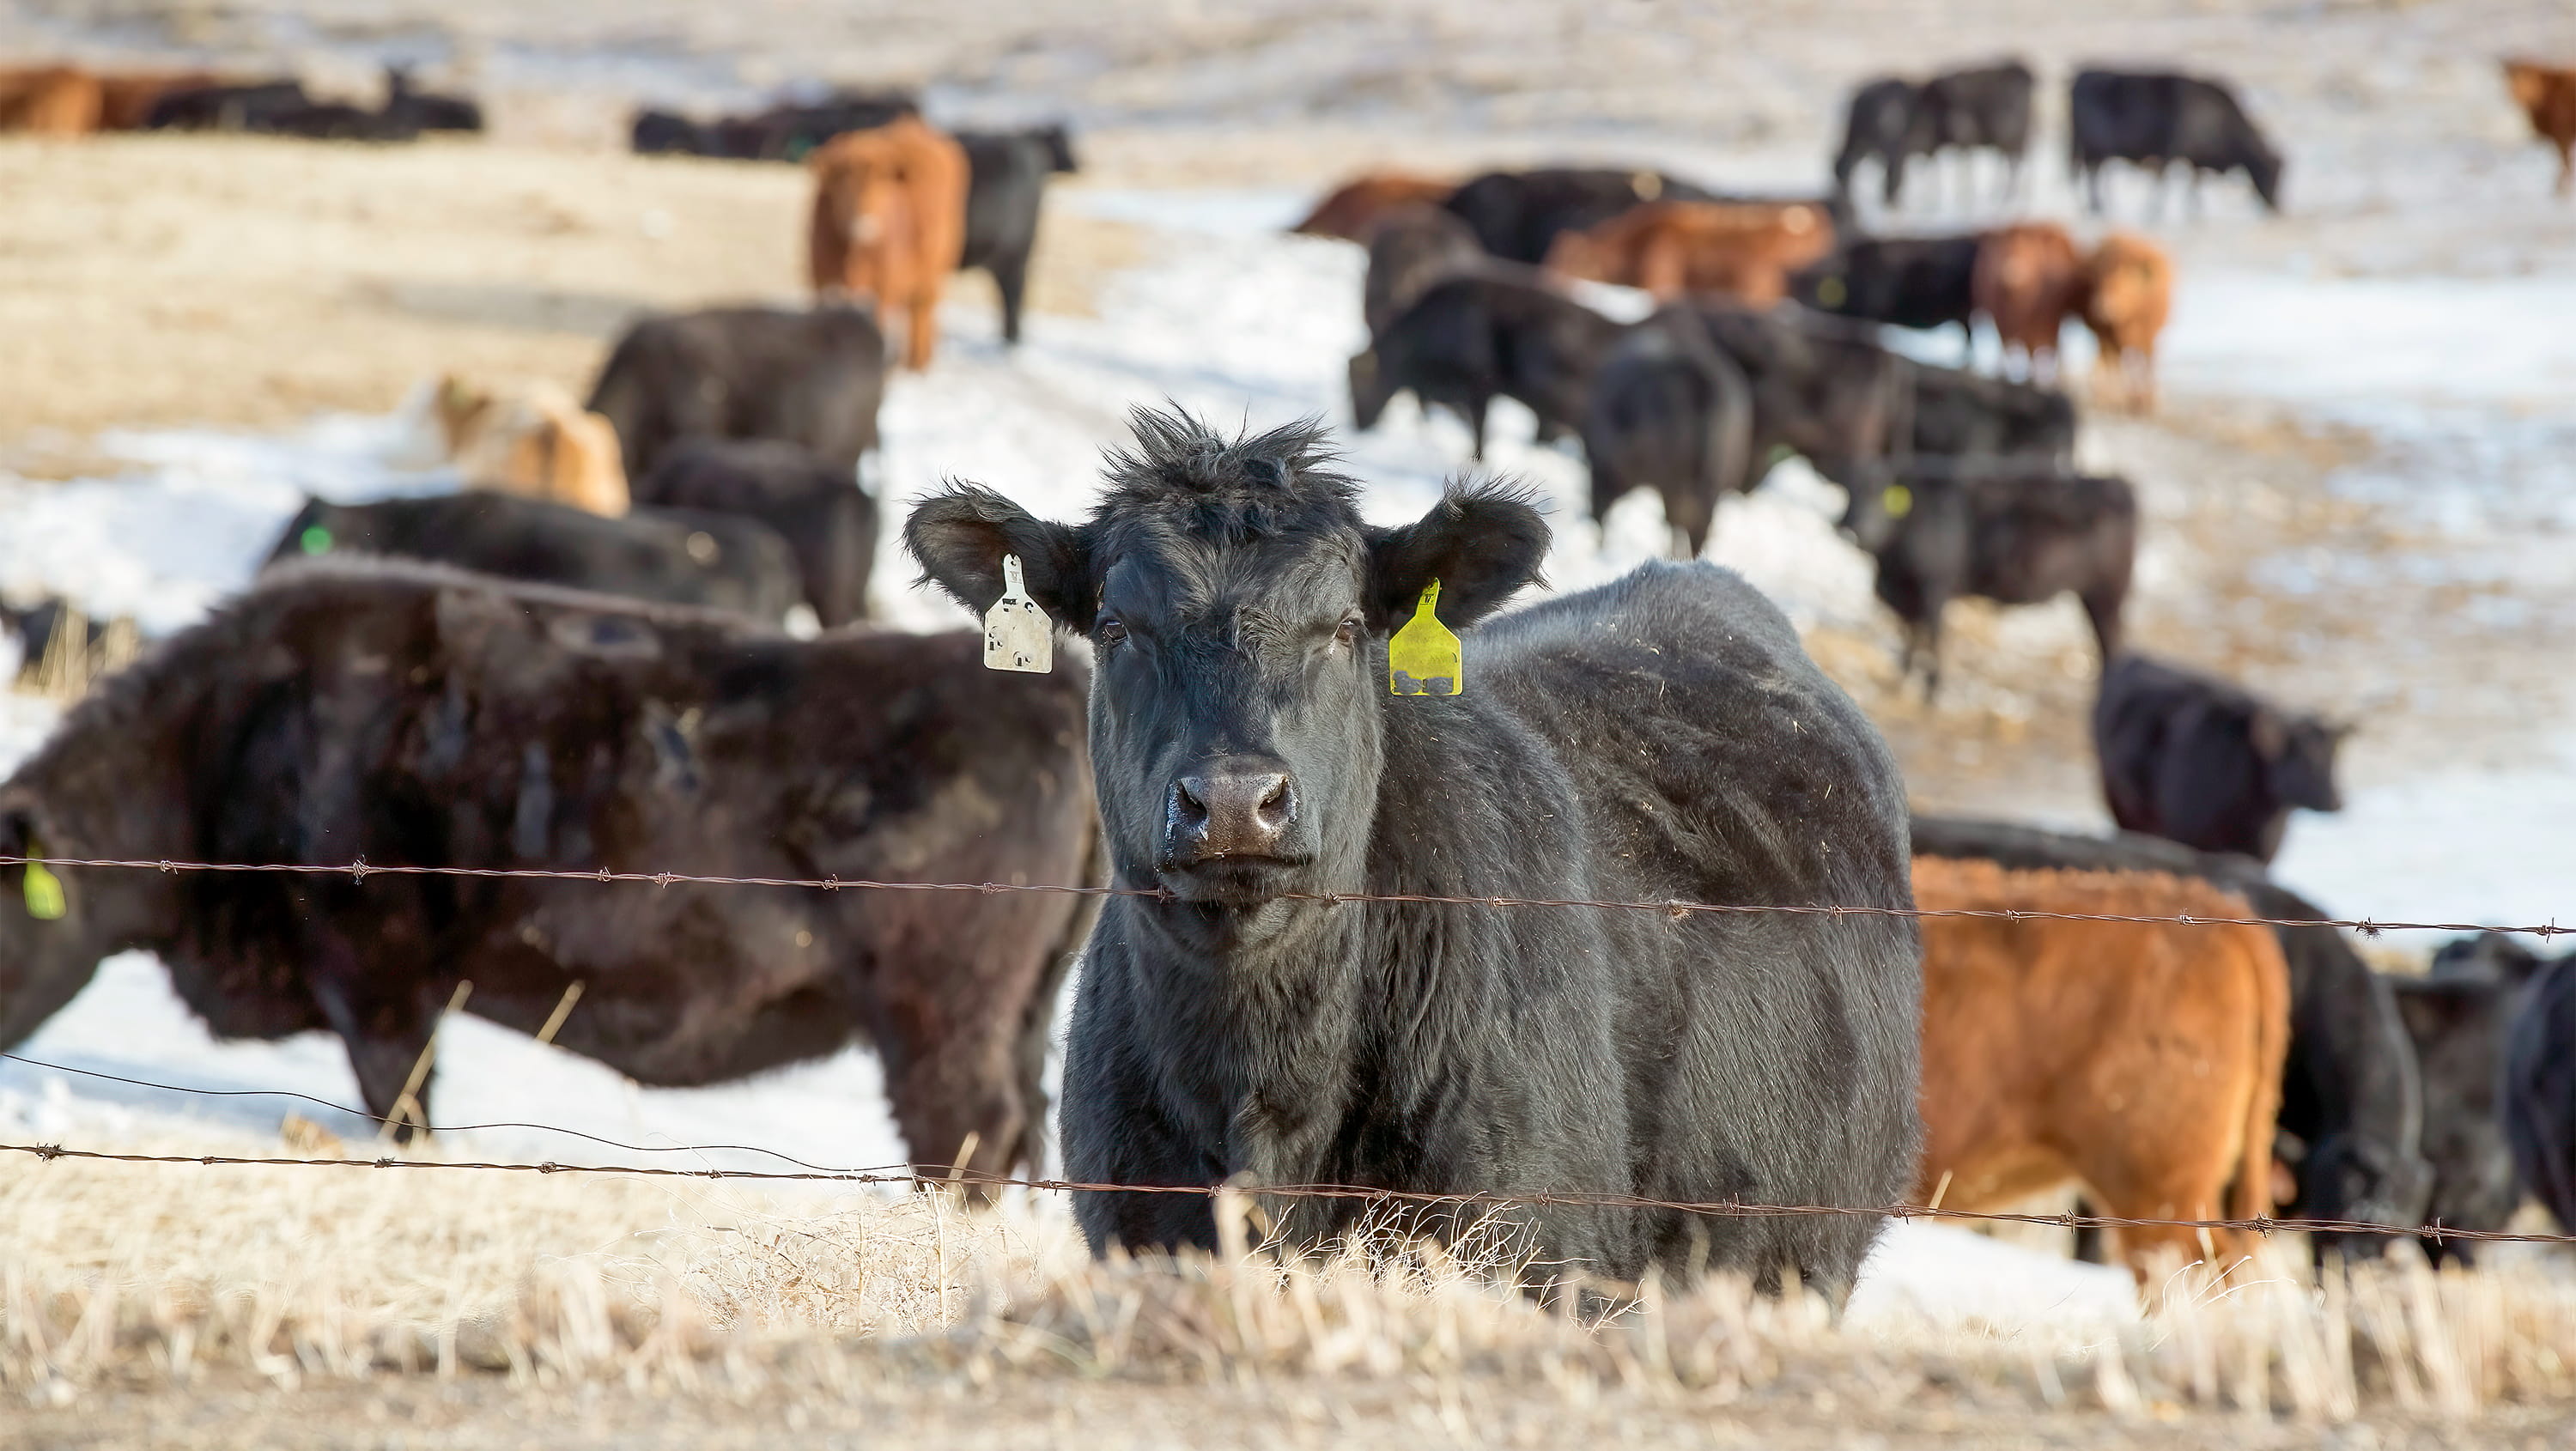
[(1729, 1209), (362, 869)]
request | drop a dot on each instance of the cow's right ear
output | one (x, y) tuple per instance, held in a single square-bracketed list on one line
[(961, 534)]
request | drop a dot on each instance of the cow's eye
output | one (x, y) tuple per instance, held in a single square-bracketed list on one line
[(1347, 633), (1109, 631)]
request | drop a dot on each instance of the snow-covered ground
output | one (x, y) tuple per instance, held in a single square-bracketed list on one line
[(1251, 328)]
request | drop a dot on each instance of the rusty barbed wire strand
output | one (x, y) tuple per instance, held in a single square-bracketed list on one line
[(361, 869), (1726, 1209)]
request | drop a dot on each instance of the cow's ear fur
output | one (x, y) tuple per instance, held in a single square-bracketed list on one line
[(1482, 542), (961, 534)]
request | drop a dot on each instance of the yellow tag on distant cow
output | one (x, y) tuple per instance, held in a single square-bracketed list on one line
[(1898, 501), (1424, 658), (45, 900)]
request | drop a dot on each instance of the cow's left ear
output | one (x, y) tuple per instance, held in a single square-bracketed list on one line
[(960, 536), (1483, 542)]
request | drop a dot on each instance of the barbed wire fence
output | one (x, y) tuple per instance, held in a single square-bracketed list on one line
[(961, 1177)]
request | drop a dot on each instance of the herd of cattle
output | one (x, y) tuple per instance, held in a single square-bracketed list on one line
[(576, 664)]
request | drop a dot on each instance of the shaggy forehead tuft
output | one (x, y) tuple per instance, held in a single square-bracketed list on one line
[(1183, 480)]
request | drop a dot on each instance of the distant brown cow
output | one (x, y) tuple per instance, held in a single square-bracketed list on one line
[(2028, 280), (2139, 1061), (125, 102), (55, 100), (530, 437), (1354, 209), (2126, 294), (890, 223), (2547, 94), (1741, 250)]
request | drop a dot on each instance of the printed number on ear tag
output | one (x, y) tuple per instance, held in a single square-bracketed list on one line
[(1424, 658), (1017, 634), (45, 900)]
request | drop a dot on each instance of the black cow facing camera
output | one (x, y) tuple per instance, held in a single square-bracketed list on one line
[(2204, 761), (1660, 737)]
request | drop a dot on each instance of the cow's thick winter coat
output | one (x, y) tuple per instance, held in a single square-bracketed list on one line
[(828, 521), (889, 224), (2461, 1028), (1916, 282), (1672, 413), (2141, 1061), (2205, 762), (408, 715), (1659, 737)]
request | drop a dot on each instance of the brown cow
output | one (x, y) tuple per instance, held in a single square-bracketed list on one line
[(2140, 1061), (890, 223), (125, 102), (531, 438), (2027, 280), (57, 100), (1743, 250), (2126, 294), (1354, 209), (2547, 94)]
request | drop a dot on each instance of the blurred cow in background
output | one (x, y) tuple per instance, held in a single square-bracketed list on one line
[(530, 437), (1007, 175), (57, 100), (1518, 214), (1672, 413), (1411, 248), (2124, 298), (1353, 210), (2154, 119), (2206, 762), (2547, 94), (889, 223), (810, 377), (2029, 279), (1745, 251)]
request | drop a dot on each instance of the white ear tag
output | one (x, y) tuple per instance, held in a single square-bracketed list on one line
[(1017, 634)]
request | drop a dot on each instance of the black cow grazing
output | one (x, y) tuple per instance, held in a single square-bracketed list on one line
[(2352, 1108), (1888, 123), (427, 110), (1669, 412), (247, 107), (2460, 1026), (1913, 282), (1008, 173), (2154, 119), (813, 378), (1517, 214), (1983, 108), (717, 561), (2539, 1089), (786, 132), (1412, 248), (1822, 388), (1959, 414), (828, 521), (2011, 533), (666, 133), (1470, 340), (406, 714), (2205, 762), (1663, 736)]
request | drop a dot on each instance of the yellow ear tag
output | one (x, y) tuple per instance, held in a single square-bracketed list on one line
[(45, 900), (1898, 501), (1424, 658)]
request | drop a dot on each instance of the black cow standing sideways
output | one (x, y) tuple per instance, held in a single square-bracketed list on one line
[(1959, 414), (717, 561), (2205, 762), (411, 715), (1663, 736), (828, 521), (2351, 1122), (1670, 412), (2460, 1027), (813, 378), (2154, 119), (1914, 282), (1822, 388), (2539, 1089), (2004, 531), (1472, 339), (1518, 214), (1007, 176), (1984, 108), (1886, 123)]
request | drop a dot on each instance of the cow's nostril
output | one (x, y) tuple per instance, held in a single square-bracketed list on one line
[(1189, 800), (1274, 808)]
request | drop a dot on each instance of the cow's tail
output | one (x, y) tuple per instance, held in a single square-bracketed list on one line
[(1037, 1027), (2253, 1197)]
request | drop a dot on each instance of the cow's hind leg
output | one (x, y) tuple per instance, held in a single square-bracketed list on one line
[(1011, 279)]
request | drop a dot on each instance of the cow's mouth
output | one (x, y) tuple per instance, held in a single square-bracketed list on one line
[(1231, 879)]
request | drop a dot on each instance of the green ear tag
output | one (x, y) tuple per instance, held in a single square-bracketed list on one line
[(1424, 658), (44, 894), (1898, 501), (316, 540)]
